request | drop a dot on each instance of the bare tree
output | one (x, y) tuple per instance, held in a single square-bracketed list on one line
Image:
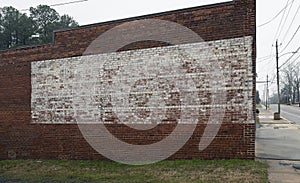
[(287, 82), (297, 81), (290, 81)]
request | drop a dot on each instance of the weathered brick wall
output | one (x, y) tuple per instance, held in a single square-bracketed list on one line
[(38, 114)]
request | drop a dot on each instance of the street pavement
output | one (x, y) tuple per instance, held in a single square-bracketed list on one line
[(289, 112), (277, 139), (278, 144)]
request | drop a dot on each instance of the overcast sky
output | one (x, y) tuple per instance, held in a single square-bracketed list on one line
[(94, 11)]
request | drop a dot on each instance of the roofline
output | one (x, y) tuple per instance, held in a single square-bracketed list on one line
[(230, 2), (227, 3), (26, 47)]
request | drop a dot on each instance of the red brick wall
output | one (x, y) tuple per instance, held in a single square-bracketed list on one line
[(21, 139)]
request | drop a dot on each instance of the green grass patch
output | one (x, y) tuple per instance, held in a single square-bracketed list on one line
[(102, 171)]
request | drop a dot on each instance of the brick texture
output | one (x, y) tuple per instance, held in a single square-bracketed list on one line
[(26, 131)]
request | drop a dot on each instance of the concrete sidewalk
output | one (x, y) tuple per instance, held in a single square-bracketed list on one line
[(282, 171), (278, 144)]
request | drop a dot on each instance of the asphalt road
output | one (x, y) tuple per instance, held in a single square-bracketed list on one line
[(291, 113)]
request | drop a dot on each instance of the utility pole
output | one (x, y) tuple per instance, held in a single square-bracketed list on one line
[(267, 92), (277, 66)]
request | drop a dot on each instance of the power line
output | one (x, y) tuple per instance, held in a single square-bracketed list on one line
[(72, 2), (62, 4), (290, 57), (294, 60), (291, 39), (279, 26), (291, 23), (286, 18), (263, 60), (267, 56), (266, 65), (273, 17)]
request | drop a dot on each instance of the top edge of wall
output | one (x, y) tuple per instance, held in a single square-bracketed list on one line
[(235, 3), (232, 2)]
